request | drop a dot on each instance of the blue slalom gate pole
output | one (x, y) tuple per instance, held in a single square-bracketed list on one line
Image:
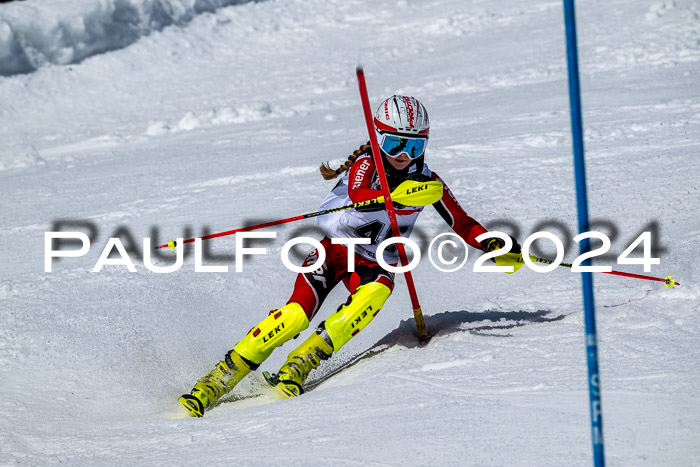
[(596, 408)]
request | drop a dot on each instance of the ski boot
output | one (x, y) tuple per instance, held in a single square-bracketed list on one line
[(289, 380), (331, 336), (276, 329), (216, 383)]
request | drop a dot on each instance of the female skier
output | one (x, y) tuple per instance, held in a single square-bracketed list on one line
[(402, 127)]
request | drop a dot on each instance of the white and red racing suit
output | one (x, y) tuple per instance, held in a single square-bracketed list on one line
[(361, 183)]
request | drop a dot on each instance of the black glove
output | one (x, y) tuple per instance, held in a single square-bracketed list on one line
[(491, 244), (418, 177), (393, 180)]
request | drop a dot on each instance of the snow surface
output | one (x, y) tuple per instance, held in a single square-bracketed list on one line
[(211, 118)]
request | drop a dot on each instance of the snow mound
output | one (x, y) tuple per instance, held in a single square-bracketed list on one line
[(249, 112), (658, 9), (31, 37), (31, 158)]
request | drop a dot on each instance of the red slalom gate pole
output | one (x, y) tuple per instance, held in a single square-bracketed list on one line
[(417, 312)]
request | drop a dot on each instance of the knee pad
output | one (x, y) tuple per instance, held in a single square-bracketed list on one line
[(273, 331), (352, 317)]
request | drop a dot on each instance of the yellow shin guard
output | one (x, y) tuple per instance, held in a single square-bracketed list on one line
[(273, 331), (280, 326), (337, 330), (352, 317)]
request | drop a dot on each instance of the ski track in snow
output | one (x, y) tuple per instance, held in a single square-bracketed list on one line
[(214, 116)]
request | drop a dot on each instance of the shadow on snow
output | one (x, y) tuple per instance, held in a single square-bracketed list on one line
[(482, 323)]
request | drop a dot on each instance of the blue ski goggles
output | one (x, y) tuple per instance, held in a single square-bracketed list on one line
[(394, 145)]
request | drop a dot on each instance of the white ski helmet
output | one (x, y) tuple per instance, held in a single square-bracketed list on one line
[(402, 115)]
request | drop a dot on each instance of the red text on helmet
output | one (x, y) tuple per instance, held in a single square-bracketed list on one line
[(411, 112)]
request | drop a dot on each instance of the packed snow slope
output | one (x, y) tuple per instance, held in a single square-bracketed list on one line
[(221, 118)]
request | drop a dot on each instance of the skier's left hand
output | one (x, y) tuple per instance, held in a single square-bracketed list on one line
[(512, 258), (418, 177), (491, 244)]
